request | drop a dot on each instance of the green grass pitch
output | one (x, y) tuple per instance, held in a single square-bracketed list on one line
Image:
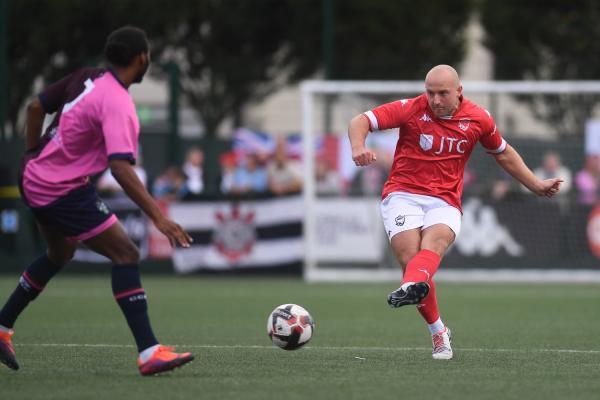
[(510, 342)]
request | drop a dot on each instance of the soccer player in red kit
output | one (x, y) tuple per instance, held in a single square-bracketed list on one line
[(421, 206)]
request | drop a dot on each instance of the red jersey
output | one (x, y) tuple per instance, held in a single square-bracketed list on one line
[(432, 152)]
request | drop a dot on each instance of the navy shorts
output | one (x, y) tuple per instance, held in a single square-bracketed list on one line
[(79, 215)]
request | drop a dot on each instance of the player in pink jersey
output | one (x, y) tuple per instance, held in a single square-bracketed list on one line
[(96, 127), (421, 200)]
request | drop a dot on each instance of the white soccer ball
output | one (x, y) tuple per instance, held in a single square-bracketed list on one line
[(290, 326)]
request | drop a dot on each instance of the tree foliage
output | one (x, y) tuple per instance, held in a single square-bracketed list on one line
[(231, 52), (49, 39), (549, 40), (401, 39)]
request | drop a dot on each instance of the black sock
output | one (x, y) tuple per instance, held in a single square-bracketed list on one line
[(127, 289), (31, 284)]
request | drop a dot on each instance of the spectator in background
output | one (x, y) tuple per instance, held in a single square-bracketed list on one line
[(251, 176), (502, 187), (227, 162), (369, 180), (586, 181), (170, 185), (328, 181), (108, 186), (284, 175), (192, 168), (469, 181), (552, 168)]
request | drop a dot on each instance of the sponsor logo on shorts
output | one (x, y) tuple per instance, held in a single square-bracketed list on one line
[(102, 207), (400, 220)]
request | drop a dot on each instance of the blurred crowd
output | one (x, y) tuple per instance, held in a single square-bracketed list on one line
[(582, 187), (256, 173), (279, 173), (243, 174)]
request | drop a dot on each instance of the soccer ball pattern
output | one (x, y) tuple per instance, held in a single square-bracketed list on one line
[(290, 326)]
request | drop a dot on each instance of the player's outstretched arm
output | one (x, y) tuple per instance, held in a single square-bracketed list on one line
[(512, 163), (35, 122), (357, 132), (131, 184)]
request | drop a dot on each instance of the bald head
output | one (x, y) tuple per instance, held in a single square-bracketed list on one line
[(443, 73), (443, 90)]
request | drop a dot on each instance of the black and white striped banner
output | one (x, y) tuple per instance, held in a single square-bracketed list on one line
[(231, 235)]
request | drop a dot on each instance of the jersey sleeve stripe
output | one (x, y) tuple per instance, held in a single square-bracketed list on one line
[(372, 120), (500, 149)]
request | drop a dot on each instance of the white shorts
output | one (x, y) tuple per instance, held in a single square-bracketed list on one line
[(402, 211)]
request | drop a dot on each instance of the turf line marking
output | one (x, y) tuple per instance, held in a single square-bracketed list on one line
[(340, 348)]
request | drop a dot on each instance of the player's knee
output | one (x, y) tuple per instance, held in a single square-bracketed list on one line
[(404, 256), (61, 256), (404, 252), (438, 246), (134, 254), (404, 259), (127, 255)]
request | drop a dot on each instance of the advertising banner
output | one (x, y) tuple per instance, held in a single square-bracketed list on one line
[(232, 235), (348, 230)]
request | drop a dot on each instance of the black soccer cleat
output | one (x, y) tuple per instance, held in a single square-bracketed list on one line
[(7, 353), (412, 294)]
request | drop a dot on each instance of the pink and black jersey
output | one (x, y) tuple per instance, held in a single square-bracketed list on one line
[(96, 122), (431, 153)]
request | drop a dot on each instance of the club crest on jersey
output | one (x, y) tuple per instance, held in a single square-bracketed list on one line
[(426, 141), (463, 124)]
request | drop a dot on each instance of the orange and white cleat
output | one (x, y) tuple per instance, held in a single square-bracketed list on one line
[(7, 353), (164, 359)]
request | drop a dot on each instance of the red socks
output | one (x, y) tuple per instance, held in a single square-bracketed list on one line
[(429, 306), (421, 267)]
